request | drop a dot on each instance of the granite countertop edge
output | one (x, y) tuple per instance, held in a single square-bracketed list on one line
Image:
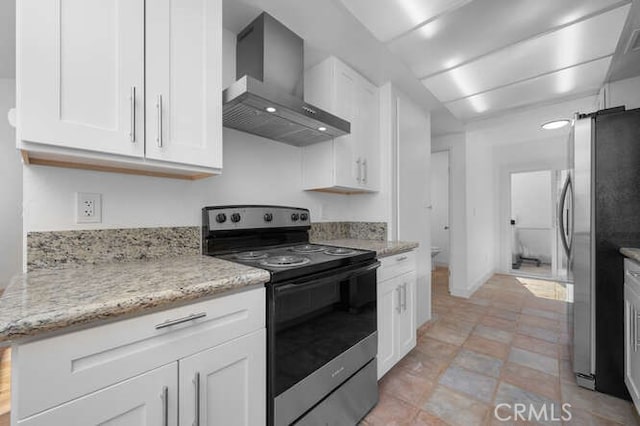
[(125, 305), (382, 248), (632, 253)]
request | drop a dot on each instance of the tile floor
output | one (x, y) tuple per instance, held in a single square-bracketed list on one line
[(508, 343)]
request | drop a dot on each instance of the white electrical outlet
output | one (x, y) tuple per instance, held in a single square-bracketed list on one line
[(88, 207)]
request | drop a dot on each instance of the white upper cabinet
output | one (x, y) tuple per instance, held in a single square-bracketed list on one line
[(350, 163), (121, 85), (184, 81), (80, 62)]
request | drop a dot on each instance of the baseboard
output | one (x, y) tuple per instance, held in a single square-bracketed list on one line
[(468, 292)]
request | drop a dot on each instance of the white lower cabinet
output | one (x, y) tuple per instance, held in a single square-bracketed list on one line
[(632, 334), (396, 310), (225, 385), (200, 364), (146, 400)]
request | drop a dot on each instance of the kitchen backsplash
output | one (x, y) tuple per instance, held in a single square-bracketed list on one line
[(86, 247), (341, 230), (71, 248)]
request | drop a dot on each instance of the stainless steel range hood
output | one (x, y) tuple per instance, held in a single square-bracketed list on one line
[(267, 100)]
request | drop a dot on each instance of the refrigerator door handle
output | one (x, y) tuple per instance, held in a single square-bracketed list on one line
[(561, 217)]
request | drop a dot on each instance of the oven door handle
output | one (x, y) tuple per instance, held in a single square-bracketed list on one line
[(312, 283)]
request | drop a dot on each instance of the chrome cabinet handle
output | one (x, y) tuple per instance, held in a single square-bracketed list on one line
[(634, 318), (399, 307), (359, 163), (404, 297), (132, 99), (401, 258), (165, 405), (196, 382), (191, 317), (159, 110), (365, 176)]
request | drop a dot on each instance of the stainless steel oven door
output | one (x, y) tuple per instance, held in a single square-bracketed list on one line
[(322, 331)]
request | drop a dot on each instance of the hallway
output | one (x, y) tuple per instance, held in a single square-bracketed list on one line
[(507, 344)]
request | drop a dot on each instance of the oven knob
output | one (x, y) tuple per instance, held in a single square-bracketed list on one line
[(235, 217), (295, 216), (221, 218), (304, 216), (268, 217)]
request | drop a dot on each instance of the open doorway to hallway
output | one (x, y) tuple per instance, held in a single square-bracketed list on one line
[(440, 214), (534, 239)]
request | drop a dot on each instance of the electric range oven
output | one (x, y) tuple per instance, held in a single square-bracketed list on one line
[(321, 313)]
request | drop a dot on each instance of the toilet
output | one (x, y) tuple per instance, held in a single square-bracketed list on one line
[(434, 252)]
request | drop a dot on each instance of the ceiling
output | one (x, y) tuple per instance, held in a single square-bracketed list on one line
[(483, 58)]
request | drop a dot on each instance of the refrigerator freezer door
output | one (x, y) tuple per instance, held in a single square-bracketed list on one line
[(583, 261)]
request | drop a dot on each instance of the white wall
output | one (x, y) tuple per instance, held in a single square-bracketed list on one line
[(481, 211), (440, 205), (456, 145), (10, 189), (623, 92)]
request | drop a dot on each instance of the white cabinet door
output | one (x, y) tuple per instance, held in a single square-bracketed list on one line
[(184, 81), (146, 400), (225, 385), (388, 307), (407, 317), (632, 347), (368, 136), (79, 63), (346, 100)]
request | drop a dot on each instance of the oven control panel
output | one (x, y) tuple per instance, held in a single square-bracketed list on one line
[(251, 217)]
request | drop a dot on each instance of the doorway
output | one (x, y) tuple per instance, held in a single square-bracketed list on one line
[(533, 239), (440, 216)]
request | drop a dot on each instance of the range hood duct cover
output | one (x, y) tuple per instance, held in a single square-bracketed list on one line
[(270, 72)]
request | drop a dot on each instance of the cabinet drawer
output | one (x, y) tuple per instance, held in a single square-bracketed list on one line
[(58, 369), (632, 274), (399, 264)]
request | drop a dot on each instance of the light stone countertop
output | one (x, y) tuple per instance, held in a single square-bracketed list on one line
[(382, 248), (53, 299), (631, 253)]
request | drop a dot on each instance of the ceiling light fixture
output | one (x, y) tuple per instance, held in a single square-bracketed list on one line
[(270, 109), (322, 129), (555, 124)]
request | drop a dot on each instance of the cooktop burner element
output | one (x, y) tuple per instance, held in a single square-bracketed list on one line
[(339, 251), (308, 248), (251, 255), (285, 261)]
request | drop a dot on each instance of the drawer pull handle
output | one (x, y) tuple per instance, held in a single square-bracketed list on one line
[(191, 317), (401, 258), (635, 329), (399, 307), (165, 405)]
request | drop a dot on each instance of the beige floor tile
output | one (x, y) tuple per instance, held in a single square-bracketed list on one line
[(487, 346), (543, 347), (532, 380)]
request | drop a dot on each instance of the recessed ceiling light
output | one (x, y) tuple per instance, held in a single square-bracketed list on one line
[(270, 109), (322, 129), (555, 124)]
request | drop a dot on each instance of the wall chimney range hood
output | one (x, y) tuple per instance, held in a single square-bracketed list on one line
[(267, 99)]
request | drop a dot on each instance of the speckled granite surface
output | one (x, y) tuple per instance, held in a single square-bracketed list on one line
[(92, 247), (53, 299), (348, 230), (631, 253), (382, 248)]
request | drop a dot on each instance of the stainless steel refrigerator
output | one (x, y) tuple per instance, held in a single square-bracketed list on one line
[(599, 212)]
